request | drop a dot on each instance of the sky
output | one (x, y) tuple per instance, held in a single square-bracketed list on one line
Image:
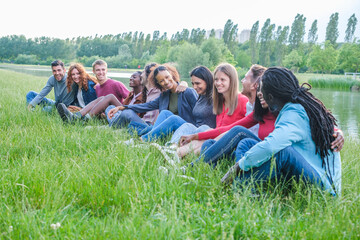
[(73, 18)]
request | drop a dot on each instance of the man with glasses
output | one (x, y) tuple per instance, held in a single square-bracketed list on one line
[(56, 81)]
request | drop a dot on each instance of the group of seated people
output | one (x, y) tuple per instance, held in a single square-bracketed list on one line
[(273, 121)]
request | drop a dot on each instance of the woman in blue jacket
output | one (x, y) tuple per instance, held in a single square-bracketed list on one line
[(301, 143), (166, 79), (84, 87)]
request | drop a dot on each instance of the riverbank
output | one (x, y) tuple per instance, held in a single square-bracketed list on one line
[(97, 188)]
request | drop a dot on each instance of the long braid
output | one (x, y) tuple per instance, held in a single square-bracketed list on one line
[(283, 84)]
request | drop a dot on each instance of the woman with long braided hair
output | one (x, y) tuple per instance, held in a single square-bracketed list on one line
[(301, 144)]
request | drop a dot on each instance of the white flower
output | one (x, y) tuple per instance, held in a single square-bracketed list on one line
[(58, 225), (10, 228), (53, 226)]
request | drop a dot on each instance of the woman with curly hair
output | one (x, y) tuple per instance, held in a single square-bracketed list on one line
[(84, 87), (166, 79)]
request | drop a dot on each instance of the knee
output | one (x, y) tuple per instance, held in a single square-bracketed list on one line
[(109, 96), (30, 94), (128, 114), (166, 113), (207, 144), (243, 146), (237, 129)]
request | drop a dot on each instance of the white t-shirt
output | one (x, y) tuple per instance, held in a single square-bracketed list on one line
[(80, 98)]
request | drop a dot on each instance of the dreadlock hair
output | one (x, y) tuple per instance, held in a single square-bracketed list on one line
[(149, 68), (284, 86)]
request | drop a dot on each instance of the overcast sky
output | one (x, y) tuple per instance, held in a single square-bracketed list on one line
[(72, 18)]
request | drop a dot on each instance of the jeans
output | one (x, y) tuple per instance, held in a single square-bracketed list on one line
[(165, 124), (186, 129), (121, 118), (47, 103), (286, 164), (212, 151)]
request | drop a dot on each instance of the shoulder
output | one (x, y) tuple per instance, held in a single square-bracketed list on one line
[(242, 98), (91, 83), (52, 80), (293, 112), (190, 92)]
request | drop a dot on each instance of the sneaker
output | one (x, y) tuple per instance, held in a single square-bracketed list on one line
[(170, 156), (129, 142), (64, 113)]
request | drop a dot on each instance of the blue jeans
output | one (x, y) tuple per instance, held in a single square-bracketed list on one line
[(187, 129), (47, 103), (212, 151), (122, 118), (165, 124), (286, 164)]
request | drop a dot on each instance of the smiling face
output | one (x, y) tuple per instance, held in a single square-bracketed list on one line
[(260, 95), (165, 80), (199, 85), (222, 82), (58, 72), (100, 72), (75, 75), (135, 80)]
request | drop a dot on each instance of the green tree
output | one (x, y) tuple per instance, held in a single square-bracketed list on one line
[(280, 45), (197, 36), (349, 57), (161, 53), (350, 30), (266, 35), (213, 47), (323, 59), (155, 42), (230, 34), (293, 60), (124, 53), (212, 33), (313, 36), (189, 57), (332, 32), (243, 59), (296, 37), (184, 36), (253, 42)]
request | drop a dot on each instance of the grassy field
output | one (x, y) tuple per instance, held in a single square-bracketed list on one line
[(95, 187)]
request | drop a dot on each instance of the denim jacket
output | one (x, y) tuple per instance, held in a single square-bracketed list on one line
[(186, 103), (89, 95)]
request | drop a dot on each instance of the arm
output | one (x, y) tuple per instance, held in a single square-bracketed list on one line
[(290, 128), (247, 122), (145, 107), (122, 90), (182, 86), (45, 91)]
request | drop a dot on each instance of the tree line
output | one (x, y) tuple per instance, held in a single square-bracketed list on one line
[(269, 45)]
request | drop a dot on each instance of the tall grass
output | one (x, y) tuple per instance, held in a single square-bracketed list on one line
[(334, 83), (95, 187)]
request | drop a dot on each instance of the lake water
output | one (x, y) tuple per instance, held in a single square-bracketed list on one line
[(345, 105)]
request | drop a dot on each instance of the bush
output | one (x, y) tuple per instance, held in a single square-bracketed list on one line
[(26, 59)]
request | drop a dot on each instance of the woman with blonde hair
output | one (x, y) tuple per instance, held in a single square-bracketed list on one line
[(229, 104)]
